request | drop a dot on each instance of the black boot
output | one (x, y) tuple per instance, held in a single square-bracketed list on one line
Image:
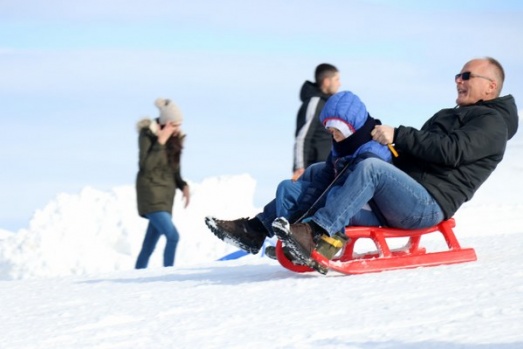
[(270, 252)]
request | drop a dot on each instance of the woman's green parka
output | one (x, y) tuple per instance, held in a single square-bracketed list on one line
[(157, 178)]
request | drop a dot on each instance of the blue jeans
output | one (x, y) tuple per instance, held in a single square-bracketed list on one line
[(403, 202), (160, 222), (294, 198)]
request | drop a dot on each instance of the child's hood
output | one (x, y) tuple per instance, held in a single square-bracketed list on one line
[(346, 107)]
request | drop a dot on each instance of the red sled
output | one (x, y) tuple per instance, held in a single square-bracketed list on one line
[(411, 255)]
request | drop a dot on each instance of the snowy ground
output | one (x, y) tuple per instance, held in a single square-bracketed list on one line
[(67, 281)]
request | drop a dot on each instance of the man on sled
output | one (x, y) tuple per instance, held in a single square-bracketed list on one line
[(439, 167)]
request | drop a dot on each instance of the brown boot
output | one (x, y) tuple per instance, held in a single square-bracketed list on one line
[(299, 237), (244, 233)]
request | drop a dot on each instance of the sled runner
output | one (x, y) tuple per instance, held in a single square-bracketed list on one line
[(411, 255)]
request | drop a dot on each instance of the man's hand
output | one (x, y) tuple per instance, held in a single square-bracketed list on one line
[(383, 134)]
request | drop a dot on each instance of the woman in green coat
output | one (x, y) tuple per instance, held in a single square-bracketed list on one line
[(160, 142)]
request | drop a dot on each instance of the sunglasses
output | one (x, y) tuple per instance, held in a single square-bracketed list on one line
[(468, 75)]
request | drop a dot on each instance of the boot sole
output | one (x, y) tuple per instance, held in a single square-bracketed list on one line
[(282, 230), (270, 252), (225, 237)]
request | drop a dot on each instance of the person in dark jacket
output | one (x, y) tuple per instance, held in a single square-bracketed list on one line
[(312, 141), (160, 147), (439, 166)]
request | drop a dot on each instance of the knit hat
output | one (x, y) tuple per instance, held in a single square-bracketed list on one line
[(169, 112)]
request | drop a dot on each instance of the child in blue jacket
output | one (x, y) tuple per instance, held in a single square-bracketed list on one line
[(346, 118)]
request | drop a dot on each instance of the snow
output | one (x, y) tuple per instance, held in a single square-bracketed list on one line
[(95, 231), (67, 281)]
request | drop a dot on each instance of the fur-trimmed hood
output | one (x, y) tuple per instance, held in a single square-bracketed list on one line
[(151, 124)]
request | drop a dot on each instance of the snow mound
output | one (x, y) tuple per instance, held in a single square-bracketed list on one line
[(96, 231)]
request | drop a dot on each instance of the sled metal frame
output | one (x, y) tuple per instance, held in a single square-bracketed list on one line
[(409, 256)]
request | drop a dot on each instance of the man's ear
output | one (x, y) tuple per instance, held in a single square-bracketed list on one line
[(324, 85), (492, 88)]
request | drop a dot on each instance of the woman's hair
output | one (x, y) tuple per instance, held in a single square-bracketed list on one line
[(174, 148)]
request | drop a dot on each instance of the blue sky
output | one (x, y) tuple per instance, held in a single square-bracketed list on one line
[(77, 76)]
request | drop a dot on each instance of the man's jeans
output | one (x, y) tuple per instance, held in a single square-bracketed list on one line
[(403, 202), (160, 222)]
